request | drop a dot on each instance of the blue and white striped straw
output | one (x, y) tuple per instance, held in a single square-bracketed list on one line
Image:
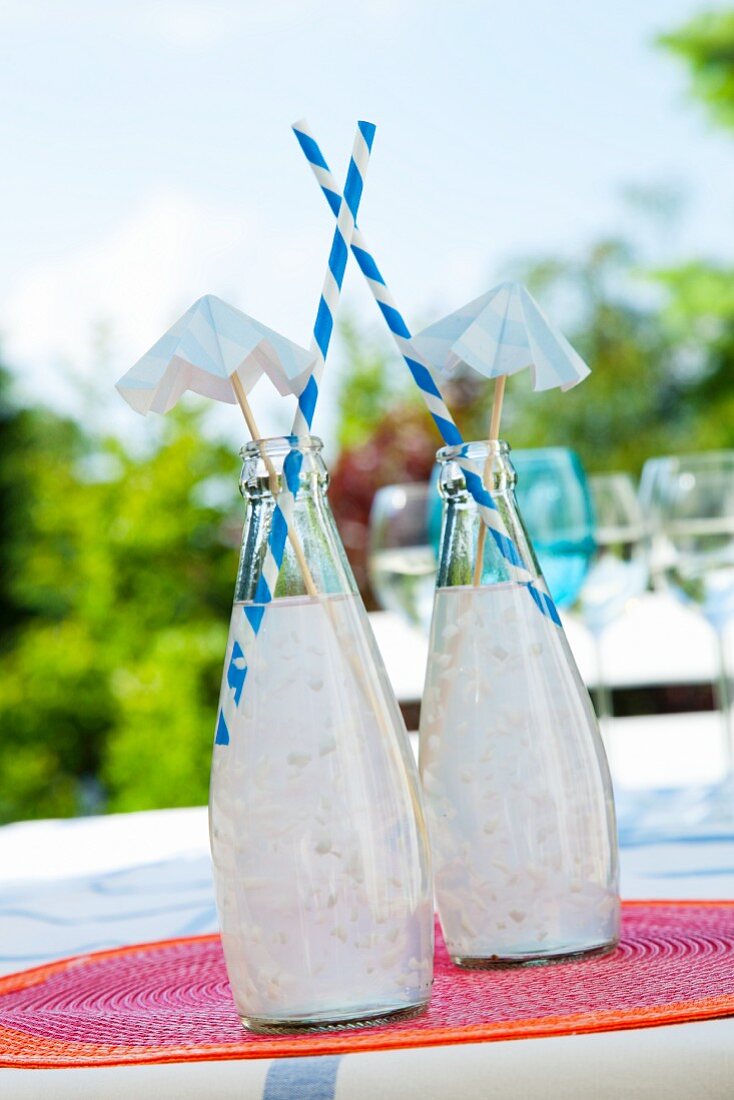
[(422, 375), (248, 624)]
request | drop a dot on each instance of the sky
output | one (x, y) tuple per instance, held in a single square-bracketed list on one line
[(149, 160)]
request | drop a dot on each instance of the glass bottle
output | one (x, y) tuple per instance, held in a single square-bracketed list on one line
[(318, 838), (517, 789)]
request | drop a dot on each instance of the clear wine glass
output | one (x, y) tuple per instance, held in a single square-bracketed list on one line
[(694, 500), (619, 571), (648, 494), (402, 553)]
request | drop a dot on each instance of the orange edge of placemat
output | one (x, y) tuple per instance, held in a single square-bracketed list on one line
[(543, 1028), (88, 1054)]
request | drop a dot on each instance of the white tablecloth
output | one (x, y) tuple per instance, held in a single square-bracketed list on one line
[(72, 886)]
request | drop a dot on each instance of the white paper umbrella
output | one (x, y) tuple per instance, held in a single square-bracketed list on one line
[(210, 349), (501, 333)]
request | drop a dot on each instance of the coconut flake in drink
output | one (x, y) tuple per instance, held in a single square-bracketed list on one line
[(512, 769), (324, 900)]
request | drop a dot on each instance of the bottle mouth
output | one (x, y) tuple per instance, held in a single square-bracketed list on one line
[(477, 450), (278, 446), (489, 459)]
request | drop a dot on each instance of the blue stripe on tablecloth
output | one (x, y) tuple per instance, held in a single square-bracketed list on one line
[(302, 1078), (106, 918), (697, 872), (639, 838)]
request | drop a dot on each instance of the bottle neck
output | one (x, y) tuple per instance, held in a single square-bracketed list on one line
[(491, 459), (267, 465), (266, 462), (464, 536)]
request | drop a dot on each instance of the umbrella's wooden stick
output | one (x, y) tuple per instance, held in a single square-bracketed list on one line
[(494, 433), (244, 404)]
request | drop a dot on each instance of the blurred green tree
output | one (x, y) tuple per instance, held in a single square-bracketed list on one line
[(637, 401), (700, 315), (700, 306), (706, 44), (122, 569), (10, 512)]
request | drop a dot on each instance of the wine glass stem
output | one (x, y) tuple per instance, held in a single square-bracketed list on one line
[(723, 699), (604, 710)]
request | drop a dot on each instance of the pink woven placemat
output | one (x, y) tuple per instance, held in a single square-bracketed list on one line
[(171, 1001)]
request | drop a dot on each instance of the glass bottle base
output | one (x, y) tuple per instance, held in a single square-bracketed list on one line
[(332, 1021), (499, 962)]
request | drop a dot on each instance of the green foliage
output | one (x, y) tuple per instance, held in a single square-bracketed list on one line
[(10, 494), (120, 587), (706, 44), (368, 387), (159, 753), (636, 401), (700, 312), (700, 308)]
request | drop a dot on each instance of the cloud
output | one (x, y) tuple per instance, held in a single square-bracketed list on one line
[(78, 322), (131, 281), (197, 26)]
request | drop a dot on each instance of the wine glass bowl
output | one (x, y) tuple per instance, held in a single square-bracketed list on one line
[(402, 556), (555, 503), (696, 504), (619, 572), (694, 526)]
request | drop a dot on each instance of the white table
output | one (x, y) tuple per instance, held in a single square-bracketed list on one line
[(86, 884)]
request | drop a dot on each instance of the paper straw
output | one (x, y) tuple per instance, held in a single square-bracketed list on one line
[(247, 627), (420, 370)]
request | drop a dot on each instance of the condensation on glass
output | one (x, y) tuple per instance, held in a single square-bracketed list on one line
[(518, 793), (317, 831)]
